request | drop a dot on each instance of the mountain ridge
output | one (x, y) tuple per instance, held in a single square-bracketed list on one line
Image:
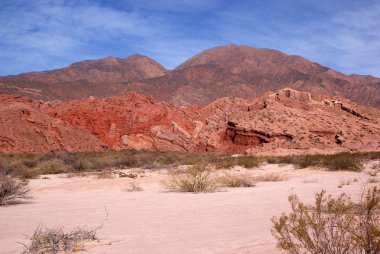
[(231, 70)]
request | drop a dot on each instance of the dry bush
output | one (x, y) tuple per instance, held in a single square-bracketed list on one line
[(55, 240), (194, 179), (373, 180), (236, 180), (340, 161), (230, 161), (129, 175), (12, 190), (132, 187), (53, 166), (105, 174), (331, 225), (269, 177)]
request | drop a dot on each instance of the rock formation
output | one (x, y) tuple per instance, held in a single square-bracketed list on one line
[(24, 128), (283, 122)]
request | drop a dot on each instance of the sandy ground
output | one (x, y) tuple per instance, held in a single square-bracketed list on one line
[(234, 220)]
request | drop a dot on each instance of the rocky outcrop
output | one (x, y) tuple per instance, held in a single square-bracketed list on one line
[(23, 128), (286, 121)]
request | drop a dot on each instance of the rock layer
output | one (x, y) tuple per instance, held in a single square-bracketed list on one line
[(287, 121)]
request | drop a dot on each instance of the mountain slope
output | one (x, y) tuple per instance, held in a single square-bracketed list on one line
[(238, 71), (103, 77)]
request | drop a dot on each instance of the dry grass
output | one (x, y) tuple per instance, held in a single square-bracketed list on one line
[(12, 190), (347, 182), (55, 240), (53, 166), (340, 161), (310, 180), (28, 166), (231, 161), (373, 180), (331, 225), (194, 179), (128, 175), (270, 177), (107, 174), (133, 187), (236, 180)]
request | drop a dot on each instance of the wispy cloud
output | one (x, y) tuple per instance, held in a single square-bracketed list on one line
[(46, 34)]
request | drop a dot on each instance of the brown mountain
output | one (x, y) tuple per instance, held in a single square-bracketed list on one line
[(283, 122), (103, 77), (238, 71)]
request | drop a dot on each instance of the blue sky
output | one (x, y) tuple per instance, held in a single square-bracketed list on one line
[(49, 34)]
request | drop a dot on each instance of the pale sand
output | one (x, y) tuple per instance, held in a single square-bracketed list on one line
[(155, 221)]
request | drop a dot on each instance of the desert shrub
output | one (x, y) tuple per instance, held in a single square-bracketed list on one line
[(269, 177), (27, 174), (80, 166), (331, 225), (55, 240), (53, 166), (12, 190), (105, 174), (333, 162), (291, 159), (29, 163), (248, 161), (230, 161), (129, 175), (225, 163), (132, 187), (343, 161), (194, 179), (236, 180)]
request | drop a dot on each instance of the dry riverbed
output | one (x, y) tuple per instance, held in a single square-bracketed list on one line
[(232, 220)]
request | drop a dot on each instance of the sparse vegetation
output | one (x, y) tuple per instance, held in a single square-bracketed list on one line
[(340, 161), (12, 190), (132, 187), (194, 179), (347, 182), (27, 166), (269, 177), (331, 225), (236, 180), (105, 174), (230, 161), (53, 166), (55, 240)]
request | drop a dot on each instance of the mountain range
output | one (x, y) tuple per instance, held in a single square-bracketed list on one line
[(229, 99), (225, 71)]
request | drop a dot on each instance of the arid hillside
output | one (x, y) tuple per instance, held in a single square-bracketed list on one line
[(283, 122), (225, 71)]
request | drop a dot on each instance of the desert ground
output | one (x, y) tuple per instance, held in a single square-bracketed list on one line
[(154, 220)]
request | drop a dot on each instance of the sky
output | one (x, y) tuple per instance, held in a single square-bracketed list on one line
[(50, 34)]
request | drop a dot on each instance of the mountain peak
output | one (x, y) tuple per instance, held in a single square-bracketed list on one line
[(232, 55)]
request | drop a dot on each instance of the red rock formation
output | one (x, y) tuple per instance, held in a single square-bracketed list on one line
[(287, 121), (24, 128)]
